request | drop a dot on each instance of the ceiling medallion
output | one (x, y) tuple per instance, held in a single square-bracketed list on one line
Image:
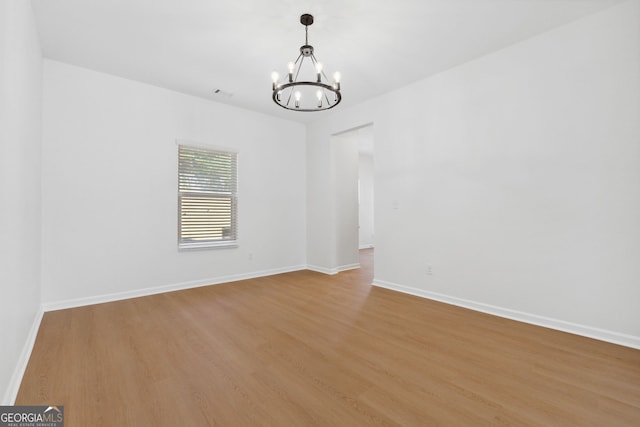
[(306, 87)]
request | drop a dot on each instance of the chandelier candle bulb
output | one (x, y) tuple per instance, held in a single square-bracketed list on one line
[(304, 77), (291, 66), (297, 96)]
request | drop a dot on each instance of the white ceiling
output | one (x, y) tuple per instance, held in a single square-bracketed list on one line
[(197, 46)]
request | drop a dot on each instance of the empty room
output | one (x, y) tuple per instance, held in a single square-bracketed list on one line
[(320, 213)]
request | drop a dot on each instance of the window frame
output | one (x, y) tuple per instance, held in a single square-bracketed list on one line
[(208, 244)]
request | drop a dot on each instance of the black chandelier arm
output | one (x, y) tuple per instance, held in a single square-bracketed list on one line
[(298, 59), (301, 58), (327, 98), (315, 62)]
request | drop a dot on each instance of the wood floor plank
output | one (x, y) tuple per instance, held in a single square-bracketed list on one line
[(305, 349)]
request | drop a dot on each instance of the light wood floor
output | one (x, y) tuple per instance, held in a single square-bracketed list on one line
[(304, 349)]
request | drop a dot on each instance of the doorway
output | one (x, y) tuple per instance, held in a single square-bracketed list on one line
[(353, 177)]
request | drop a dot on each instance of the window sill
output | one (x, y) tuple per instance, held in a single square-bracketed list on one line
[(207, 245)]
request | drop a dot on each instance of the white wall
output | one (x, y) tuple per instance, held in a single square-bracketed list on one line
[(20, 151), (365, 209), (110, 188), (516, 176)]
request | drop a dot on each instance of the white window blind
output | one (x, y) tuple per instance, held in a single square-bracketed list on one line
[(207, 199)]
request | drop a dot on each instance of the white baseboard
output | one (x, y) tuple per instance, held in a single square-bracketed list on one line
[(323, 270), (561, 325), (117, 296), (16, 379), (335, 270), (348, 267)]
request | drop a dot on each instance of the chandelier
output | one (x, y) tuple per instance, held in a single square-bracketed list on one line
[(306, 87)]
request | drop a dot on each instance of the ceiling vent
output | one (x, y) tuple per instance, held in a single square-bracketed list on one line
[(222, 93)]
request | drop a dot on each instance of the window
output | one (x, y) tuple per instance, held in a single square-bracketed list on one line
[(207, 199)]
